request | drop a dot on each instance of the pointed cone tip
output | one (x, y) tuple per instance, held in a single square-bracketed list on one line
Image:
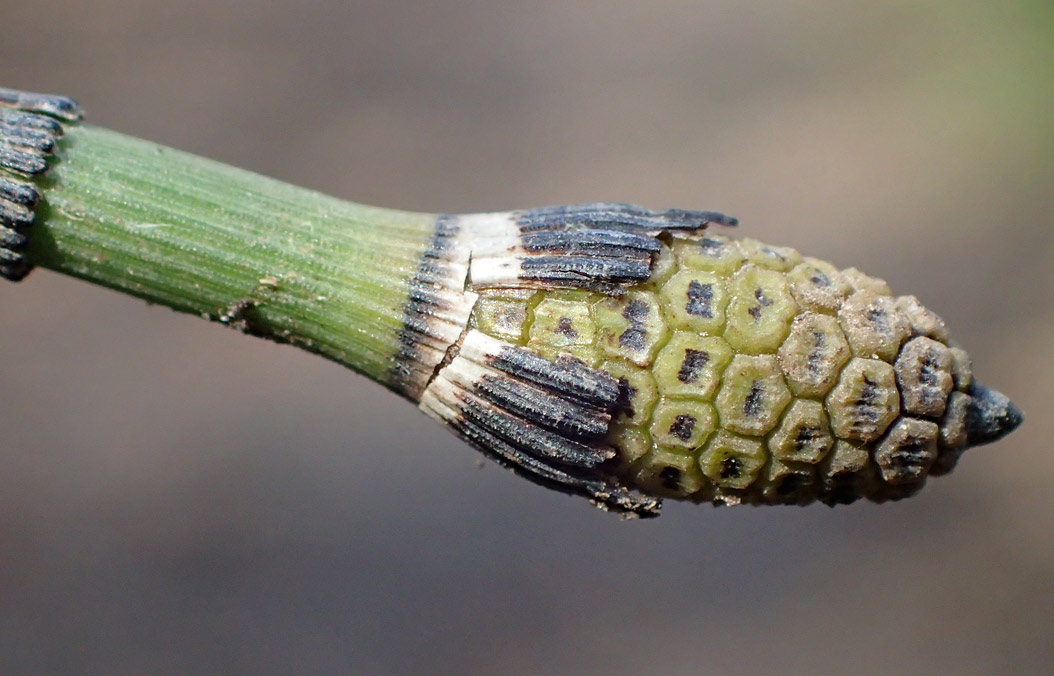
[(991, 416)]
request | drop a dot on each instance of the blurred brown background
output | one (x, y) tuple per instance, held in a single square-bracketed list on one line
[(178, 498)]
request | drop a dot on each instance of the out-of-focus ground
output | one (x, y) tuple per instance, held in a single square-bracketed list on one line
[(178, 498)]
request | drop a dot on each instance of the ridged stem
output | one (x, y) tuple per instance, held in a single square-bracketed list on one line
[(269, 258)]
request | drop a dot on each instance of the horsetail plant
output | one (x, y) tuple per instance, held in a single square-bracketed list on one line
[(602, 350)]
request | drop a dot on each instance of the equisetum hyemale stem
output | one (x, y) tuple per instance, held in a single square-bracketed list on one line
[(603, 350)]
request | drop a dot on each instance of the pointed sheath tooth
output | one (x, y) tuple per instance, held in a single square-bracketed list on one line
[(568, 378), (545, 420), (534, 403), (510, 456), (19, 193), (528, 401), (598, 488), (11, 258), (589, 242), (22, 161), (24, 120), (533, 439), (618, 216), (601, 247), (17, 216), (687, 219), (12, 240), (27, 139), (61, 107), (528, 437), (601, 215)]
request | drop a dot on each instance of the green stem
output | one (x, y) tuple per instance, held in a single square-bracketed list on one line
[(271, 259)]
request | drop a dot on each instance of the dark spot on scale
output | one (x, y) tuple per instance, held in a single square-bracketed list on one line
[(769, 251), (694, 362), (879, 319), (806, 435), (868, 392), (509, 319), (700, 297), (626, 393), (820, 279), (909, 457), (731, 468), (636, 311), (812, 362), (633, 338), (866, 403), (682, 427), (670, 478), (566, 329), (752, 405), (928, 372), (763, 301), (711, 247)]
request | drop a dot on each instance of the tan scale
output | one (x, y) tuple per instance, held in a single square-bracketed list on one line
[(813, 354), (804, 434), (846, 472), (789, 482), (873, 325), (962, 369), (858, 281), (953, 423), (865, 401), (663, 267), (631, 442), (951, 438), (906, 453), (924, 377), (923, 321), (753, 394), (817, 286)]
